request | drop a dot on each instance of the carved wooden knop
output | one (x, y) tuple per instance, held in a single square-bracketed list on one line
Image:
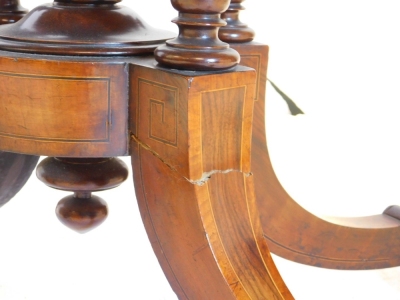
[(82, 211)]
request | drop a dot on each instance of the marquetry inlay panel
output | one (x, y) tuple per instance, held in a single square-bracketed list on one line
[(162, 109)]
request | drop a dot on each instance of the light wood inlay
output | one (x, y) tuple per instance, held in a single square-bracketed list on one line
[(253, 61), (162, 109)]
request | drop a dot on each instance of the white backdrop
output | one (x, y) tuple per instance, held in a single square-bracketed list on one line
[(339, 61)]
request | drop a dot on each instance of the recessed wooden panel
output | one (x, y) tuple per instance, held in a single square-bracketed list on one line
[(33, 107), (58, 106), (222, 127)]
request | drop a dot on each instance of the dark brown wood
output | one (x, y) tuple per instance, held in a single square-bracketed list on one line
[(296, 234), (82, 211), (11, 11), (235, 31), (198, 47), (15, 170), (191, 134), (82, 28), (82, 174)]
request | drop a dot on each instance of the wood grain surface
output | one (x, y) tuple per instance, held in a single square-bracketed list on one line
[(55, 107), (292, 232), (196, 192)]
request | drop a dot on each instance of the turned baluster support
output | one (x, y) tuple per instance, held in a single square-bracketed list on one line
[(235, 31), (198, 47)]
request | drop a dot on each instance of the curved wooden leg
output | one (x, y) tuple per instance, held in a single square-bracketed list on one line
[(294, 233), (194, 186), (15, 170)]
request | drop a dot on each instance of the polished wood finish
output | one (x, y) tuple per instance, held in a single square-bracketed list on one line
[(11, 11), (189, 133), (82, 211), (235, 31), (82, 174), (97, 28), (56, 106), (292, 232), (198, 47), (191, 140), (15, 170), (82, 214)]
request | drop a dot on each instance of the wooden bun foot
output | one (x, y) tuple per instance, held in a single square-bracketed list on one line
[(82, 211)]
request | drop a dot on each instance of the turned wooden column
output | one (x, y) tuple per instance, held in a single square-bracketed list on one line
[(235, 31), (11, 11), (198, 47)]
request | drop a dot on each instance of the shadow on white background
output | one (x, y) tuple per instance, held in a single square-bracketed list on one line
[(339, 61)]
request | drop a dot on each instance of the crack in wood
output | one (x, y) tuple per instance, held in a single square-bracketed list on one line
[(201, 181)]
